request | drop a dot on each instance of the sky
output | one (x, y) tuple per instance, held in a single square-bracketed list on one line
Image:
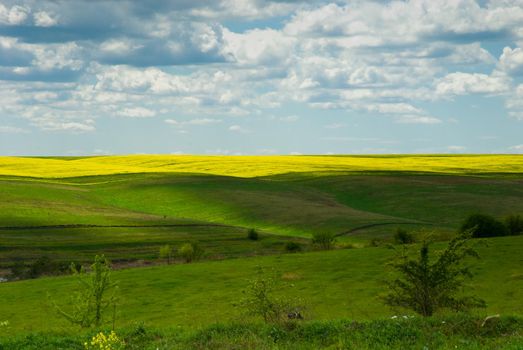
[(233, 77)]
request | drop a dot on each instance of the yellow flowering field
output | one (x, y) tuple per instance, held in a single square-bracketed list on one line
[(254, 166)]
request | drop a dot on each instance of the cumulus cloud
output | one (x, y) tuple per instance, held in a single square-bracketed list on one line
[(464, 83), (258, 46), (64, 65), (44, 19), (14, 15), (511, 61)]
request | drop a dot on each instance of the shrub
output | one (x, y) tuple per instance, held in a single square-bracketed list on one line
[(95, 293), (325, 240), (166, 253), (43, 266), (190, 252), (403, 237), (252, 234), (484, 226), (426, 286), (292, 247), (260, 300), (376, 242), (514, 224)]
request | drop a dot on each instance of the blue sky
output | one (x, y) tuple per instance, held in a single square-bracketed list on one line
[(260, 77)]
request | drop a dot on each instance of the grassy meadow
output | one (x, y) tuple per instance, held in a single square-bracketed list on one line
[(127, 207)]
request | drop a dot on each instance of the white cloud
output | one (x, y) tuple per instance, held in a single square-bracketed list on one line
[(119, 47), (456, 148), (237, 128), (417, 119), (53, 125), (514, 103), (5, 129), (371, 24), (44, 19), (465, 83), (136, 112), (197, 121), (258, 46), (516, 148), (511, 60), (244, 9), (15, 15)]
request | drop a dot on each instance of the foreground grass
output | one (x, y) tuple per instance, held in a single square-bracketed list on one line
[(450, 332), (332, 284)]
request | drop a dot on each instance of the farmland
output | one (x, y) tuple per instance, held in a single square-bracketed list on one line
[(127, 207)]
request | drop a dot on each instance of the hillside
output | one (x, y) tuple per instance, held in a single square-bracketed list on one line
[(333, 284)]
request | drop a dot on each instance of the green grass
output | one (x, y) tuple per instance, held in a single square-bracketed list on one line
[(293, 205), (334, 284), (128, 217), (450, 332)]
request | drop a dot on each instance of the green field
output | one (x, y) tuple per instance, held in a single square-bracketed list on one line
[(335, 284), (135, 214), (128, 216)]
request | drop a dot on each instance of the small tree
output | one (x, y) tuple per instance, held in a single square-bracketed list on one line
[(95, 293), (190, 252), (292, 247), (325, 240), (403, 237), (484, 226), (514, 224), (252, 234), (166, 253), (260, 299), (426, 286)]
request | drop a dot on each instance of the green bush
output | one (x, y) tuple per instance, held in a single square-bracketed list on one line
[(403, 237), (426, 285), (252, 234), (94, 295), (260, 299), (166, 253), (292, 247), (514, 224), (325, 240), (43, 266), (190, 252), (482, 225)]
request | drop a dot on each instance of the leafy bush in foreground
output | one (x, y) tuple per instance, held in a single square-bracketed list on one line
[(95, 294), (426, 286), (260, 300)]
